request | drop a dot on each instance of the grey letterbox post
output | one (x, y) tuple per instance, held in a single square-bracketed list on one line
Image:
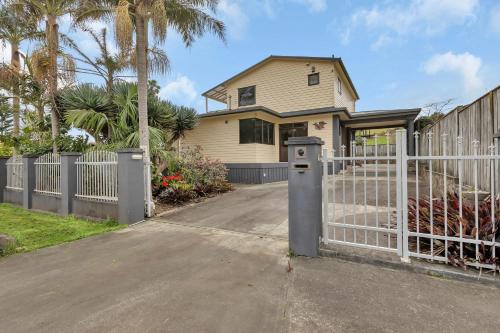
[(304, 195), (3, 176), (29, 179), (68, 181), (131, 202)]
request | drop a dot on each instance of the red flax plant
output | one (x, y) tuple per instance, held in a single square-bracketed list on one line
[(487, 231)]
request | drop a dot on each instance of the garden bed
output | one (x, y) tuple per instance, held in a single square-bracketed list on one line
[(33, 230), (187, 178)]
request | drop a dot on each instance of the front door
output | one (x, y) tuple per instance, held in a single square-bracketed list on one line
[(289, 131)]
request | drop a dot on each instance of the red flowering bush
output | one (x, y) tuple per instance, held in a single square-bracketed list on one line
[(456, 225), (191, 176)]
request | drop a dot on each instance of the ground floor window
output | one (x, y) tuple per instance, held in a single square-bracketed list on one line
[(255, 130)]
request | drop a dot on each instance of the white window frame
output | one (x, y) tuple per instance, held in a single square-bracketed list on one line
[(339, 85)]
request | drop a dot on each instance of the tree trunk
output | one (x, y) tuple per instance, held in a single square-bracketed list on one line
[(52, 35), (16, 66), (141, 44), (142, 83)]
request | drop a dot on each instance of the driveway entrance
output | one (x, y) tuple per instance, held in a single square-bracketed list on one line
[(225, 269), (254, 209)]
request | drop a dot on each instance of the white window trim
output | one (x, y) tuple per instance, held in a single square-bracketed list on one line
[(339, 85)]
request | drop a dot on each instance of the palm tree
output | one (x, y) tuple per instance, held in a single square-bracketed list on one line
[(113, 120), (185, 120), (132, 18), (15, 28), (190, 18), (106, 65), (50, 11), (6, 121)]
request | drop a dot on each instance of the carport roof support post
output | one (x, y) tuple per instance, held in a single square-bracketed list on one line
[(304, 195), (131, 184)]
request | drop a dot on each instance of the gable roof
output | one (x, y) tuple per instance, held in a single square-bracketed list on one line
[(219, 92)]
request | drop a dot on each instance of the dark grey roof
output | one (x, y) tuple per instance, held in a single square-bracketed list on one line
[(274, 113), (391, 112), (219, 89), (379, 114)]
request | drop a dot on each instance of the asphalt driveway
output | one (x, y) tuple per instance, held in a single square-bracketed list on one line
[(192, 271)]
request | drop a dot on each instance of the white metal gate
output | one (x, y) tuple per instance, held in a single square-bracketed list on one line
[(382, 202)]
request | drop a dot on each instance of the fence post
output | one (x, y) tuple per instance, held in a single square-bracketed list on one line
[(336, 141), (304, 195), (130, 186), (496, 142), (3, 176), (29, 180), (68, 181)]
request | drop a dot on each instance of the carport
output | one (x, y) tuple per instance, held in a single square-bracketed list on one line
[(376, 119)]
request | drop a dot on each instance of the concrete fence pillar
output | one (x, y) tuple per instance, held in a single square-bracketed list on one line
[(131, 202), (3, 176), (304, 195), (29, 180), (68, 181)]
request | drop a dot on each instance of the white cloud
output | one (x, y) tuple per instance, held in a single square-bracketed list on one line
[(234, 17), (429, 17), (315, 6), (495, 20), (465, 64), (381, 41), (181, 91)]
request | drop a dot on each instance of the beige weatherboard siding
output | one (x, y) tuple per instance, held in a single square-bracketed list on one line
[(283, 96), (282, 85), (219, 137)]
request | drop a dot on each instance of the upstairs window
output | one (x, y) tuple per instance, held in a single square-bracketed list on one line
[(256, 131), (313, 79), (246, 96), (339, 86)]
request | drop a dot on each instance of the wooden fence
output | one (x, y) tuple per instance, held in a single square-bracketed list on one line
[(478, 121)]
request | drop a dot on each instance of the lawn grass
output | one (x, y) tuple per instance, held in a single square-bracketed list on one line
[(34, 230)]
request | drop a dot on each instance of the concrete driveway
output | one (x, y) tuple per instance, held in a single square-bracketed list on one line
[(255, 209), (193, 271)]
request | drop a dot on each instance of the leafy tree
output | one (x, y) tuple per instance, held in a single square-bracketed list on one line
[(6, 118), (15, 27), (113, 119), (106, 65), (185, 119), (190, 18), (432, 113), (46, 59)]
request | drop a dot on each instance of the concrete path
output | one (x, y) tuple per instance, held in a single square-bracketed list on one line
[(186, 273)]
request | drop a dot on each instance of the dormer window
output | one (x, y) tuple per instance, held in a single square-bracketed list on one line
[(246, 96), (313, 79), (339, 86)]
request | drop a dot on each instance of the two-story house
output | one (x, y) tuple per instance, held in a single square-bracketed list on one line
[(278, 98)]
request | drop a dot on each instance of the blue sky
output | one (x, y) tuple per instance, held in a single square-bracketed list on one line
[(399, 54)]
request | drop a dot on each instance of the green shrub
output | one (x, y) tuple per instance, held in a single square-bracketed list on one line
[(190, 176)]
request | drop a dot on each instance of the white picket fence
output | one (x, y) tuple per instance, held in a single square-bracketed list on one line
[(97, 176), (48, 174), (15, 173)]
